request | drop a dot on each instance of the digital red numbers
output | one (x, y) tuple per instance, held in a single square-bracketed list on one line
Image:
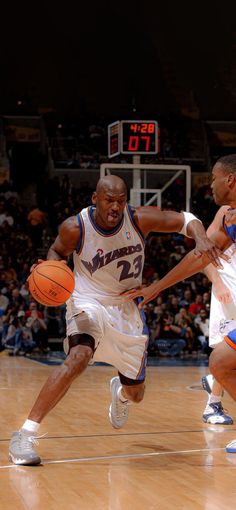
[(139, 137), (142, 127), (136, 143)]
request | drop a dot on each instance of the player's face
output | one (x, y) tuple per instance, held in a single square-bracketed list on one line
[(109, 207), (219, 185)]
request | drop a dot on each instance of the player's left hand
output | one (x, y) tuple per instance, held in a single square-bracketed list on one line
[(148, 293), (205, 246), (221, 292)]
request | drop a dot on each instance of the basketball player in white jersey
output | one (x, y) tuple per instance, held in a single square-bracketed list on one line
[(107, 241), (222, 361), (223, 308)]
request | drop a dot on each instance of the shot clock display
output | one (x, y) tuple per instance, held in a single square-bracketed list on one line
[(132, 137), (139, 137)]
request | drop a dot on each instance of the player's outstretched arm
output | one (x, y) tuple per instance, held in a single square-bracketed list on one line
[(151, 219), (188, 266)]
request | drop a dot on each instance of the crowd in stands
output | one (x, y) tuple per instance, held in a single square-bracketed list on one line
[(178, 319)]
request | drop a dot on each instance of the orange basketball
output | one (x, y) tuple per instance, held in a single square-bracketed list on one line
[(51, 283)]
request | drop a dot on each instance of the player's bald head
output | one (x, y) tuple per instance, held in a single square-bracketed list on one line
[(111, 183)]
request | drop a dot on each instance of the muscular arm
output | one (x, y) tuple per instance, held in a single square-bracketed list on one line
[(188, 266), (221, 291), (66, 241), (151, 219)]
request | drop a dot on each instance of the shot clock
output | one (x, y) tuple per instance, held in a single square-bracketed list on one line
[(133, 137), (139, 137)]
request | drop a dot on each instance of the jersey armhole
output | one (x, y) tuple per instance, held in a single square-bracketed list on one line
[(80, 244), (133, 221)]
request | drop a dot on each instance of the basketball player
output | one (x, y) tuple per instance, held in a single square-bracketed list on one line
[(223, 307), (107, 240), (222, 361)]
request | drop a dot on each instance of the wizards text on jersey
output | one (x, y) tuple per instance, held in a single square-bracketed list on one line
[(99, 260)]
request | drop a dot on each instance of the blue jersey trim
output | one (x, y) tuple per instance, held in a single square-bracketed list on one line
[(100, 230), (133, 220), (79, 245), (230, 230)]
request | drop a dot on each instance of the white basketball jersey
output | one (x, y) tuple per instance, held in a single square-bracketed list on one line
[(228, 273), (108, 263)]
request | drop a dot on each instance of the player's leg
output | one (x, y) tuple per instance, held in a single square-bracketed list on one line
[(223, 366), (124, 391), (214, 412), (222, 363), (81, 348), (128, 353)]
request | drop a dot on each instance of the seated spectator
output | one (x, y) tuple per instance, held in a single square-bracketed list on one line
[(37, 221), (184, 320), (187, 298), (195, 307), (35, 321), (202, 330), (4, 302), (19, 340), (167, 336), (174, 306)]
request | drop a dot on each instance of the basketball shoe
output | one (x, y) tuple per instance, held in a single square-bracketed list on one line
[(214, 413), (231, 447), (21, 448), (207, 383), (118, 411)]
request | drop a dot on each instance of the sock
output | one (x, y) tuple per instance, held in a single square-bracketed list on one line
[(120, 396), (213, 399), (31, 426)]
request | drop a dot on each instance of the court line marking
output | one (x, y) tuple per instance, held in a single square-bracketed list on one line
[(132, 434), (119, 456), (223, 430)]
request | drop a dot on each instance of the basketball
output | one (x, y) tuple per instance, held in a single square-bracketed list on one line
[(51, 283)]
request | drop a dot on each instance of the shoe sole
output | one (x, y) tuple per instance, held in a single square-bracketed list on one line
[(230, 450), (20, 462), (206, 420)]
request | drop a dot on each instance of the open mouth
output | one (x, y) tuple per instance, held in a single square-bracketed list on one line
[(112, 217)]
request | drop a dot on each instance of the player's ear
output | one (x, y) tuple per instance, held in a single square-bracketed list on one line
[(94, 198), (232, 179)]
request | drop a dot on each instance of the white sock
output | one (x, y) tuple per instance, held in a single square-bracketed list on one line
[(213, 399), (31, 426), (120, 396)]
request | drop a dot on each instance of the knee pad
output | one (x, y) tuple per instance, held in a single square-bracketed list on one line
[(78, 339)]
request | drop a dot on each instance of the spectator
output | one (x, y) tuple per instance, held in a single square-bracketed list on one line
[(202, 329), (167, 336), (38, 327), (37, 221), (195, 307)]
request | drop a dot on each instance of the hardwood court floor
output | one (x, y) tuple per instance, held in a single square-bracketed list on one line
[(165, 458)]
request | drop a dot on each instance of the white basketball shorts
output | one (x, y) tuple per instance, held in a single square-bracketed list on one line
[(117, 331), (219, 313)]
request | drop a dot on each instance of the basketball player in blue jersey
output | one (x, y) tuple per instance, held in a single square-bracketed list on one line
[(222, 361), (107, 241)]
